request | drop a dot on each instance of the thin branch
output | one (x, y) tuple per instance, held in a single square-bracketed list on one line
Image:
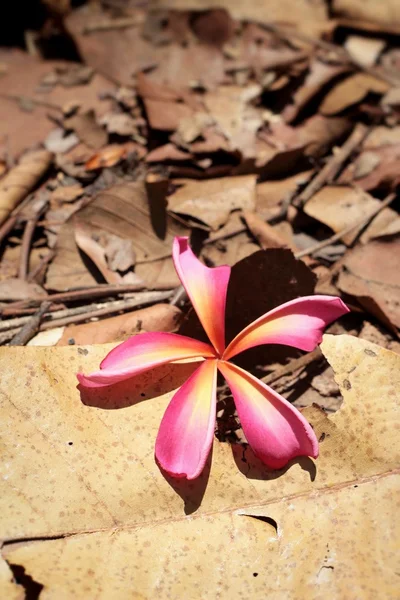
[(332, 167), (31, 327)]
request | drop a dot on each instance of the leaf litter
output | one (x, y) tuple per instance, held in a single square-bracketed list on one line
[(272, 139)]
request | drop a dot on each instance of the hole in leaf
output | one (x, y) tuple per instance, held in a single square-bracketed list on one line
[(268, 520), (32, 587)]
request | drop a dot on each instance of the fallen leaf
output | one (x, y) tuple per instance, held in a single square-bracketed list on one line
[(85, 238), (364, 50), (372, 276), (117, 53), (67, 270), (320, 76), (66, 193), (119, 253), (211, 201), (21, 81), (87, 129), (266, 235), (167, 152), (166, 116), (18, 289), (382, 13), (122, 210), (351, 91), (272, 194), (237, 119), (340, 206), (322, 515), (18, 182), (160, 317), (303, 13)]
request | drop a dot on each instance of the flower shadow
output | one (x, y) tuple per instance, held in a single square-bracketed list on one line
[(252, 467), (191, 491), (156, 382)]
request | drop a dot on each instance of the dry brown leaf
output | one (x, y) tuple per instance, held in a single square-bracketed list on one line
[(351, 91), (17, 184), (164, 115), (320, 76), (211, 201), (66, 193), (372, 275), (95, 482), (87, 129), (238, 121), (67, 270), (119, 54), (167, 152), (27, 105), (369, 173), (122, 210), (382, 13), (161, 317), (85, 238), (271, 194), (340, 206), (18, 289), (266, 235), (304, 14)]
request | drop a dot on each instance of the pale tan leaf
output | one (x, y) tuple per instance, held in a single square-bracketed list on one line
[(8, 587), (298, 532)]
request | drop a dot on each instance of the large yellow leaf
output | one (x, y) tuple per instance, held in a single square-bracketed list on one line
[(84, 475)]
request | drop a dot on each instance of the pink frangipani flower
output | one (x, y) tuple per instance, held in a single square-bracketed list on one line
[(275, 430)]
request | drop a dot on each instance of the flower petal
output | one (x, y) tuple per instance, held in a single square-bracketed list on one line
[(275, 430), (206, 289), (299, 323), (186, 432), (142, 352)]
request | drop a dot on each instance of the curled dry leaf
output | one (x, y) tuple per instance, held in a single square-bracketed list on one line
[(211, 201), (109, 501), (340, 206), (17, 184)]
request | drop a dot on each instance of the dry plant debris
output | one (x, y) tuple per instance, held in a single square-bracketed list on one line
[(270, 134)]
